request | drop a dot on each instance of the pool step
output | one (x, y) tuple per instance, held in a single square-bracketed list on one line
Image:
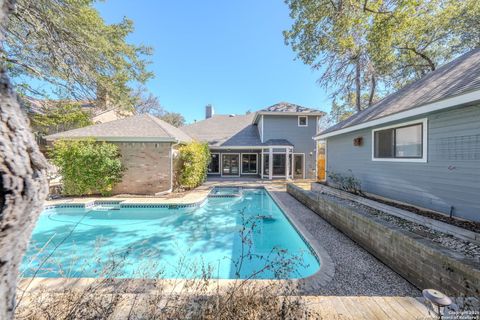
[(225, 192), (105, 206)]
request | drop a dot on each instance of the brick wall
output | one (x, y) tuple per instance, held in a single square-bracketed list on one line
[(419, 260), (147, 167)]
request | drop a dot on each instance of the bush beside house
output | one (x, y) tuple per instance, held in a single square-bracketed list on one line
[(87, 167), (194, 159)]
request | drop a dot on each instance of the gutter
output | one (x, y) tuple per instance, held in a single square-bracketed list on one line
[(117, 139), (281, 113)]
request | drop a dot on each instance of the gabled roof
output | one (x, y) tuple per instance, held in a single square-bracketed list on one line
[(225, 130), (241, 130), (289, 109), (458, 77), (135, 128)]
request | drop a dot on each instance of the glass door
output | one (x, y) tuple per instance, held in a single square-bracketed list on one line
[(298, 166), (230, 164)]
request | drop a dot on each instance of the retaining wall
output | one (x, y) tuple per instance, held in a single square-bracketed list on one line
[(419, 260)]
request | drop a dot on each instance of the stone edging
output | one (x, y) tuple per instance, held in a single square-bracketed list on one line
[(327, 267), (419, 260)]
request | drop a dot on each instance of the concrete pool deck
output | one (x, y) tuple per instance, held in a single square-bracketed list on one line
[(358, 285), (353, 271), (193, 196)]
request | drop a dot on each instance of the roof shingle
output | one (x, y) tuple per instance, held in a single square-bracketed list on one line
[(225, 130), (141, 126), (288, 108)]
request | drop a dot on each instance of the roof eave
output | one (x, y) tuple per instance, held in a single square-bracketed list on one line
[(116, 139), (282, 113), (459, 100)]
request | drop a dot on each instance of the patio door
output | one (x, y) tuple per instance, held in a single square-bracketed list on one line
[(298, 166), (230, 164)]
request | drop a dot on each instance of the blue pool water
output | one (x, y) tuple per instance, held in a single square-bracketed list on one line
[(239, 237)]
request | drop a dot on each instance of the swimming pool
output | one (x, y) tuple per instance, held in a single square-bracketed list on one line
[(231, 237)]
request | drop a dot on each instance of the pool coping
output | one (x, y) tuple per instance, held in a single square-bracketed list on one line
[(326, 271), (305, 285)]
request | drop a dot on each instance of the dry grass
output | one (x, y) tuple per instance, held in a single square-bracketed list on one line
[(242, 299)]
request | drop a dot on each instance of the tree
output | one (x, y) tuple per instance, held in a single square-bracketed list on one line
[(371, 47), (331, 35), (60, 117), (174, 118), (87, 167), (66, 44), (23, 184), (342, 110), (146, 102)]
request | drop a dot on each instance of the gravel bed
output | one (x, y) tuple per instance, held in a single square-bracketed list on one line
[(357, 272), (464, 247)]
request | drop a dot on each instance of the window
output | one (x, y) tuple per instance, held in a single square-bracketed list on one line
[(249, 163), (279, 164), (401, 142), (303, 121), (214, 166)]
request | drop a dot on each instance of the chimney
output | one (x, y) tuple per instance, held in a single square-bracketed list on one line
[(209, 111)]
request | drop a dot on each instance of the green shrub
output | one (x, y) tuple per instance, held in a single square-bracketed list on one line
[(346, 182), (194, 158), (86, 166)]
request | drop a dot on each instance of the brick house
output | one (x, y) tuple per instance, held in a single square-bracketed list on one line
[(147, 145)]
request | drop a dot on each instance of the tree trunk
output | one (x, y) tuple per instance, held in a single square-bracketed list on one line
[(372, 90), (357, 85), (23, 185)]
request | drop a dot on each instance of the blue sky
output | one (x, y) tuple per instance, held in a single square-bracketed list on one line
[(230, 54)]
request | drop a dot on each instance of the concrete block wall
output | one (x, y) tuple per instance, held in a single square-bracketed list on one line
[(148, 168), (419, 260)]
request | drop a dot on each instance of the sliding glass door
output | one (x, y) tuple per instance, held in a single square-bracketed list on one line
[(230, 164)]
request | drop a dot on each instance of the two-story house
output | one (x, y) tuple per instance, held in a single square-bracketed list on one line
[(275, 142)]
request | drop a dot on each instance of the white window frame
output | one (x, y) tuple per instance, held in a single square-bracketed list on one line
[(219, 163), (241, 163), (306, 121), (424, 123), (303, 158), (274, 153)]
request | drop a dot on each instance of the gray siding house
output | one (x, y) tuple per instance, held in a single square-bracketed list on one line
[(420, 145), (275, 142)]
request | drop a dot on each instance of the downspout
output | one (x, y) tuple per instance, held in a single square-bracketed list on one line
[(171, 171)]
